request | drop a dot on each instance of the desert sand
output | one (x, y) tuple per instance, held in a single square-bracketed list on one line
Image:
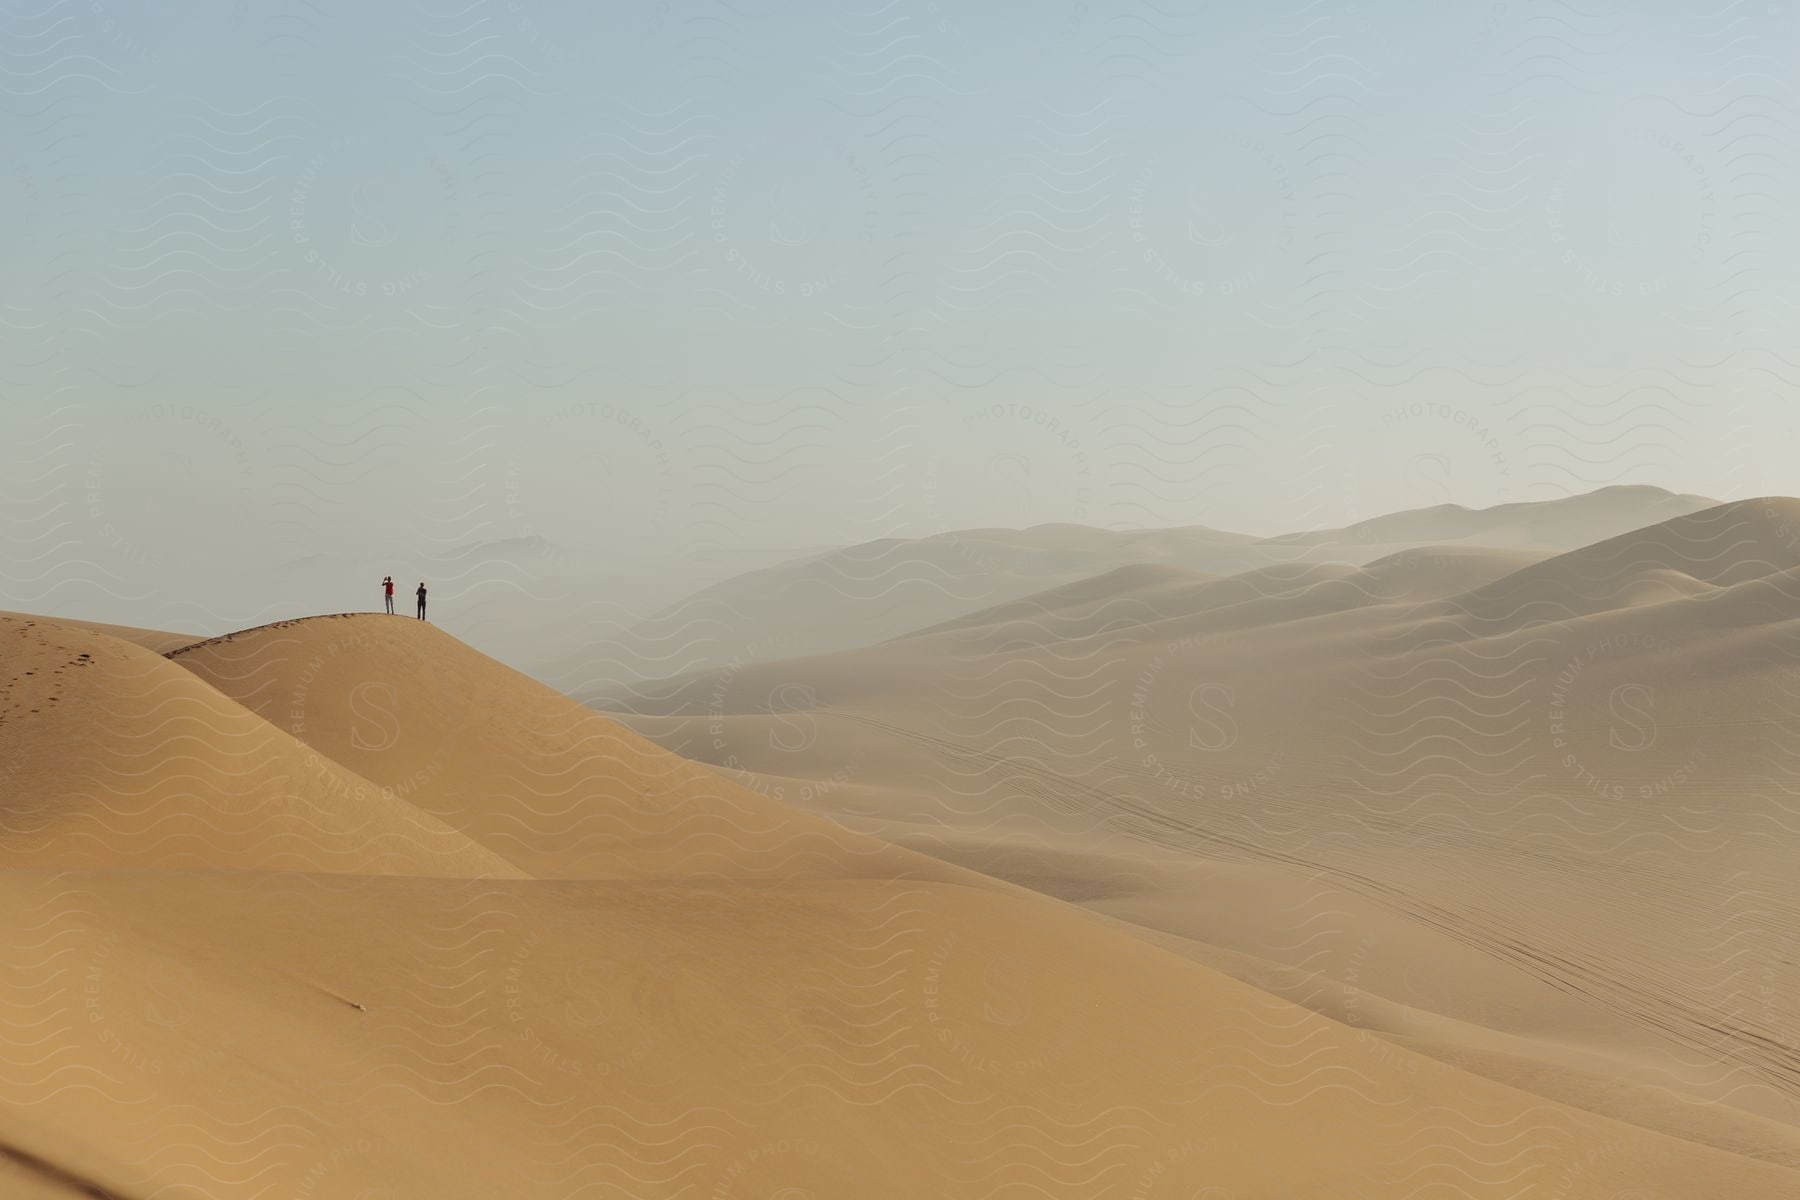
[(1527, 813), (1293, 882)]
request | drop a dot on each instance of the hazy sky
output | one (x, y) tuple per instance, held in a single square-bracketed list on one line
[(286, 278)]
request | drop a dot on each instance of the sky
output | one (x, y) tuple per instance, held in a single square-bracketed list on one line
[(301, 286)]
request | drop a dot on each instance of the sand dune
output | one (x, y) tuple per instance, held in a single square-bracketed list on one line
[(1431, 572), (114, 756), (542, 1039), (1689, 556), (1565, 523), (579, 599), (849, 598), (1530, 818), (616, 972), (860, 594), (553, 787), (150, 639)]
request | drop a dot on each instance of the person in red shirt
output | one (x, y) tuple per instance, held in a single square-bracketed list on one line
[(387, 586)]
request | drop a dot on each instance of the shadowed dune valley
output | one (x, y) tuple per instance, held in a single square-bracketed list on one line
[(1486, 891)]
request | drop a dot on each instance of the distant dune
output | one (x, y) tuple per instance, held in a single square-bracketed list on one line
[(1526, 810), (1693, 555), (337, 907), (853, 597), (1530, 525)]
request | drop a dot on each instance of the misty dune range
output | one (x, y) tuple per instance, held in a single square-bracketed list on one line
[(339, 907), (1528, 811), (849, 597)]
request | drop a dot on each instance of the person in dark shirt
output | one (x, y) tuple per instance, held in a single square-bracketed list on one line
[(421, 600)]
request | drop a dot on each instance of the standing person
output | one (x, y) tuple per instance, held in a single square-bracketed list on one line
[(421, 599), (387, 587)]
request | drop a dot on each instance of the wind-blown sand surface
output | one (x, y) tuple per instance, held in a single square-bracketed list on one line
[(340, 908), (1531, 815)]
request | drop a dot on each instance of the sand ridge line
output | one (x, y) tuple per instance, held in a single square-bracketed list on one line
[(283, 624)]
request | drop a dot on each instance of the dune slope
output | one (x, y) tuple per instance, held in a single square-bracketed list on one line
[(755, 1014), (552, 786), (685, 1039), (1539, 827), (158, 640), (110, 755)]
